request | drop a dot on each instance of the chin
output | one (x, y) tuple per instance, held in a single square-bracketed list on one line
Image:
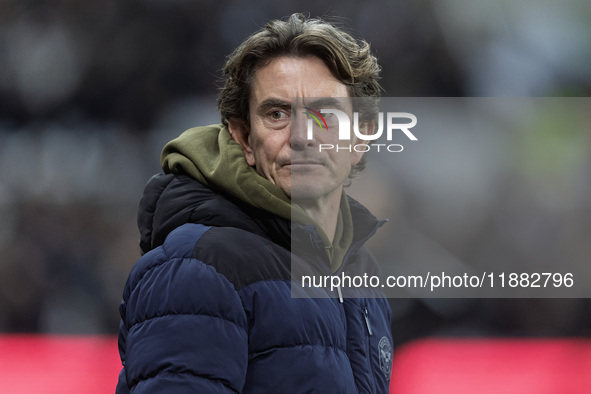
[(305, 192), (309, 188)]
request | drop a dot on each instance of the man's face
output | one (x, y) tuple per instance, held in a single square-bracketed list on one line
[(275, 142)]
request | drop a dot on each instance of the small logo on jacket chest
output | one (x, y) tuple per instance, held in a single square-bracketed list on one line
[(385, 349)]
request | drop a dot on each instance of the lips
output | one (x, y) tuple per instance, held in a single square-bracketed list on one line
[(302, 161)]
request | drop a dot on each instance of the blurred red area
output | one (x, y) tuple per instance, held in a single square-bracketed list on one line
[(492, 366), (47, 364)]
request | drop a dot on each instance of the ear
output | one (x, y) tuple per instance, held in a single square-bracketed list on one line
[(239, 131), (366, 128)]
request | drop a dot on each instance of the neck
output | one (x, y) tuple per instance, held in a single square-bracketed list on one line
[(324, 211)]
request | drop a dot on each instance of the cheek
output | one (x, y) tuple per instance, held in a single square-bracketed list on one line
[(272, 147), (267, 149), (262, 156)]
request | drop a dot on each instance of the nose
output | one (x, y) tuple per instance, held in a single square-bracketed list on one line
[(300, 138)]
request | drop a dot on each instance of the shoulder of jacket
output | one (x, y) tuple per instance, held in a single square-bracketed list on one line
[(171, 281), (240, 256), (178, 245), (243, 257)]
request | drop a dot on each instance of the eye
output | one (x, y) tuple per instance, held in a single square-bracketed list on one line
[(331, 119), (278, 115)]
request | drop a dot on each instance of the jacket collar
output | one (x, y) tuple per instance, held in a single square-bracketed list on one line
[(169, 201)]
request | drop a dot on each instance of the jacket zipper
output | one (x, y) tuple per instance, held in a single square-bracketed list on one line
[(366, 316), (340, 293), (356, 244), (346, 257)]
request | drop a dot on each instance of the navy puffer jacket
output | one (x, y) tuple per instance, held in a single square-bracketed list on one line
[(209, 309)]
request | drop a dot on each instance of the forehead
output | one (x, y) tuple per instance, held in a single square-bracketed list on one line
[(287, 77)]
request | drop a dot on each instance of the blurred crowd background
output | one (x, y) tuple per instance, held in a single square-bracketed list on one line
[(90, 91)]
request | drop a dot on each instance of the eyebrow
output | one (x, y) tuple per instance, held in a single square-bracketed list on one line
[(270, 103), (323, 102)]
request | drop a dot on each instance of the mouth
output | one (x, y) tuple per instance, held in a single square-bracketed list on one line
[(304, 162), (303, 167)]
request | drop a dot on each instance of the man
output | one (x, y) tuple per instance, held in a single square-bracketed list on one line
[(209, 307)]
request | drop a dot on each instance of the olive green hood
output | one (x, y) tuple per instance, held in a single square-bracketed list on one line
[(210, 155)]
